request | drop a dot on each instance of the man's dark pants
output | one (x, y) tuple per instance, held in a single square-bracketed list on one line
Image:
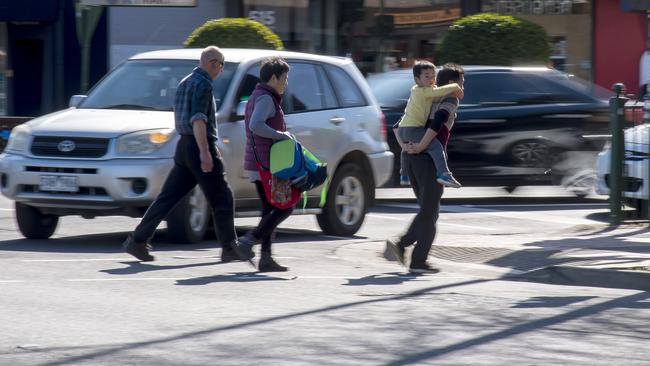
[(422, 173), (183, 177)]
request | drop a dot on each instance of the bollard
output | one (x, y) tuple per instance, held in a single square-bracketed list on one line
[(617, 121), (646, 122)]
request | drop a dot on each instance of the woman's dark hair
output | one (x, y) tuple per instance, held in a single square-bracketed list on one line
[(275, 65), (449, 73)]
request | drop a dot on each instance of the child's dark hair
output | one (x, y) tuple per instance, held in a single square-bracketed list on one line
[(449, 73), (274, 65), (421, 65)]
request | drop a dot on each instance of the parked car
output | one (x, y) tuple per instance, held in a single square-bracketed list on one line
[(635, 169), (109, 153), (515, 126)]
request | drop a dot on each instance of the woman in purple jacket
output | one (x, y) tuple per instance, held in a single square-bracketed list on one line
[(264, 125)]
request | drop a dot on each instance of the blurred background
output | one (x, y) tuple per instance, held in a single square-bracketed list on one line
[(517, 126)]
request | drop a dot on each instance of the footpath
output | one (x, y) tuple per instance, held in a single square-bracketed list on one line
[(594, 254)]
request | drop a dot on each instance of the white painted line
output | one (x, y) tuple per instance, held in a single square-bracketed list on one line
[(12, 281), (439, 223), (128, 279), (468, 226), (80, 260), (7, 209), (533, 216)]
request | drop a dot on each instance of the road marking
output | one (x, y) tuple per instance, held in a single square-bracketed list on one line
[(11, 281), (7, 209), (128, 279), (80, 260), (440, 223), (533, 216)]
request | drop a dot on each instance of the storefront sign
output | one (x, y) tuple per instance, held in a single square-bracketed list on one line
[(140, 2), (529, 7), (436, 16)]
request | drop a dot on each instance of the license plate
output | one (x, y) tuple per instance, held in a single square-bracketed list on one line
[(58, 183)]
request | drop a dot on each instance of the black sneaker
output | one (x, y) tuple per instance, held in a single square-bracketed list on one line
[(229, 255), (396, 250), (267, 264), (244, 247), (423, 268), (138, 250)]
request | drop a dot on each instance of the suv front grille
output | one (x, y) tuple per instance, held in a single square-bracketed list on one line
[(84, 147)]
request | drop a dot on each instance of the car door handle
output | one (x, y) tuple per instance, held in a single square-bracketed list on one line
[(337, 120)]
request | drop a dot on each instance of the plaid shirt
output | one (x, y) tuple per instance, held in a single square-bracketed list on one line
[(194, 100)]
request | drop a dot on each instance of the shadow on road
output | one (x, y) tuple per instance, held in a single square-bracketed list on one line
[(391, 278), (111, 242), (506, 330), (233, 277)]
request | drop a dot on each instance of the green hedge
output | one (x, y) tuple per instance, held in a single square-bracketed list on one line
[(492, 39), (234, 33)]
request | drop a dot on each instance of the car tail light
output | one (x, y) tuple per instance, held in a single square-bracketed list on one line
[(383, 127)]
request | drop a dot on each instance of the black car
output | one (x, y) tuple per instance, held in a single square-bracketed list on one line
[(515, 126)]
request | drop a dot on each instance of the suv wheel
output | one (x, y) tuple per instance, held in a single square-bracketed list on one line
[(189, 220), (347, 202), (33, 224)]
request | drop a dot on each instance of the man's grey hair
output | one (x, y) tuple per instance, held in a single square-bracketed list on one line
[(211, 53)]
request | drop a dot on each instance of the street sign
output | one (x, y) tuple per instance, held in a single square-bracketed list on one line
[(139, 2)]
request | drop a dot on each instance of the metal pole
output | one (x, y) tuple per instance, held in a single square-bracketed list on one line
[(646, 181), (617, 121)]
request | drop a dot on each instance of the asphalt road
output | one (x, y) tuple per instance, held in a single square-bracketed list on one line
[(78, 300)]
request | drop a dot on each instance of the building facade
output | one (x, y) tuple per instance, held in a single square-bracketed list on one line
[(596, 40), (40, 56)]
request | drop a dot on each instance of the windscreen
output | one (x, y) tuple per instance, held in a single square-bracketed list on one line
[(149, 85)]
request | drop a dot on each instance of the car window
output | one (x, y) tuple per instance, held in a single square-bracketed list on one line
[(391, 90), (346, 89), (304, 92), (499, 89), (329, 97), (248, 83), (148, 85)]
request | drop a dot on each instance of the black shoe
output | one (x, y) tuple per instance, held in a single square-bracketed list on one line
[(267, 264), (396, 250), (138, 250), (423, 268), (229, 255), (244, 248)]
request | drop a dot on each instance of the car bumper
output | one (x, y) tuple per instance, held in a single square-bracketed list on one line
[(382, 166), (634, 180), (102, 185)]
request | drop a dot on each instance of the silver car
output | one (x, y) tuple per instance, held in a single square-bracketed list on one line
[(109, 153)]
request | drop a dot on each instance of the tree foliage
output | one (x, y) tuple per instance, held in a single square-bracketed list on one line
[(234, 33), (492, 39)]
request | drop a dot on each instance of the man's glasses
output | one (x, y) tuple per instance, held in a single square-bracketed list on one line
[(217, 61)]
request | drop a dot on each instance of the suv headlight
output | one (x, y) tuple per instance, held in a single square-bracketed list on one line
[(143, 142), (19, 138)]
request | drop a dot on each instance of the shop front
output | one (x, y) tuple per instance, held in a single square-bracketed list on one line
[(568, 23)]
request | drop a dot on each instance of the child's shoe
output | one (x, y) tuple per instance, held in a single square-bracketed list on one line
[(404, 180), (447, 180)]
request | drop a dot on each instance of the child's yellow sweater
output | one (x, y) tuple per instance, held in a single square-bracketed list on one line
[(419, 104)]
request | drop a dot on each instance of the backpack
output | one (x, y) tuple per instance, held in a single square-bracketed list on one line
[(290, 160)]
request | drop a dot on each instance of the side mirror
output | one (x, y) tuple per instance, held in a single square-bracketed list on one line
[(75, 100), (241, 108)]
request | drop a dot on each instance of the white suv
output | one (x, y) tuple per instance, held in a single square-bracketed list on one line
[(109, 153)]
